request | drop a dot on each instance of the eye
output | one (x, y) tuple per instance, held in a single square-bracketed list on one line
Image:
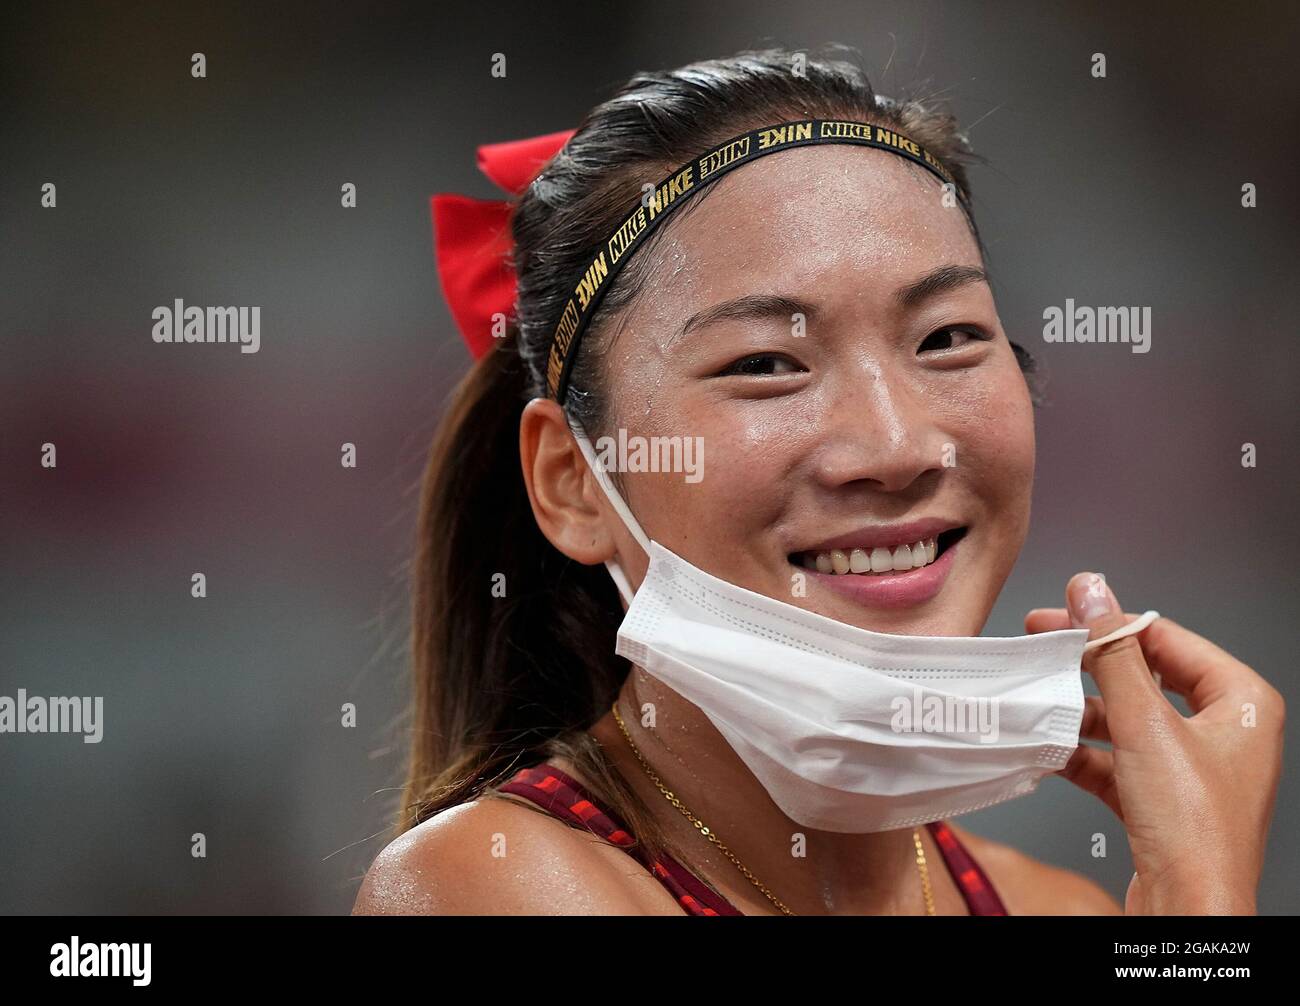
[(761, 365), (950, 338)]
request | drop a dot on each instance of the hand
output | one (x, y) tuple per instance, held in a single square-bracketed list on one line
[(1195, 794)]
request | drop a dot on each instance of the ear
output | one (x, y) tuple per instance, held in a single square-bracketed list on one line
[(567, 502)]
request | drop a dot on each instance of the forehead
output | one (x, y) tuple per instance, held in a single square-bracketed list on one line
[(818, 222)]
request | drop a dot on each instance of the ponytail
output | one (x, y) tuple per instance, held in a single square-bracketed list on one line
[(513, 642)]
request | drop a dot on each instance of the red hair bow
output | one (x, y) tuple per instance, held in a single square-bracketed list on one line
[(472, 241)]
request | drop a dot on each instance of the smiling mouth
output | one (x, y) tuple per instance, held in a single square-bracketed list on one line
[(867, 562)]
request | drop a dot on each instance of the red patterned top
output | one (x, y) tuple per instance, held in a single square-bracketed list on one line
[(564, 797)]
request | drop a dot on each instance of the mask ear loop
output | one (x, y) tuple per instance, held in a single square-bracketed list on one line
[(620, 507), (1137, 625)]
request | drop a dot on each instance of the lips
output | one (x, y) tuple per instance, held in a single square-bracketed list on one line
[(879, 567), (880, 559), (881, 549)]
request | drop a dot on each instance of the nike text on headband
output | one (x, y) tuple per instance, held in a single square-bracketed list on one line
[(654, 207)]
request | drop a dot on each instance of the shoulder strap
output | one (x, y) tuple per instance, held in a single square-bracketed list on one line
[(562, 796), (972, 881)]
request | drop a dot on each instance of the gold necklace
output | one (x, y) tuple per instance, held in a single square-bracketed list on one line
[(708, 833)]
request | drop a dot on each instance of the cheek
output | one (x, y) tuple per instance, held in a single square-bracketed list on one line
[(997, 434), (746, 484)]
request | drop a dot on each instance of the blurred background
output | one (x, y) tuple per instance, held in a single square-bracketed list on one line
[(223, 715)]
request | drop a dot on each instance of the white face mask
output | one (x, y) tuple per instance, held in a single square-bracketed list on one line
[(850, 730)]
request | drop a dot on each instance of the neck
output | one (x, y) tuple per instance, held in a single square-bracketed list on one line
[(813, 872)]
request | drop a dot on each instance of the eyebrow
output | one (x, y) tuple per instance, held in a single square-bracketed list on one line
[(753, 306), (762, 306), (941, 280)]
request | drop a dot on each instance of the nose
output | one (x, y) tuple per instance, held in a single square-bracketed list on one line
[(877, 430)]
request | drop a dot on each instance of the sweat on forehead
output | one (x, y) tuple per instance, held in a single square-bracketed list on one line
[(805, 200), (785, 232)]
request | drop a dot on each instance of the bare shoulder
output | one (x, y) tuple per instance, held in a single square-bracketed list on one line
[(1030, 887), (496, 856)]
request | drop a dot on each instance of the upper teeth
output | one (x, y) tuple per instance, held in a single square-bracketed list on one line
[(874, 560)]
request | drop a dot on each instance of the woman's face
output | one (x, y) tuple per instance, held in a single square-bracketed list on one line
[(894, 414)]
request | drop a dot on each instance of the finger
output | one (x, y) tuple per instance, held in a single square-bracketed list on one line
[(1047, 620), (1094, 726), (1051, 619), (1191, 664), (1093, 771), (1118, 667)]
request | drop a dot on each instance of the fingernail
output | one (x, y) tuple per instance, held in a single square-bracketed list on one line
[(1090, 599)]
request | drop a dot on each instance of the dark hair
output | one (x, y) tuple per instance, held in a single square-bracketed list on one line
[(505, 682)]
